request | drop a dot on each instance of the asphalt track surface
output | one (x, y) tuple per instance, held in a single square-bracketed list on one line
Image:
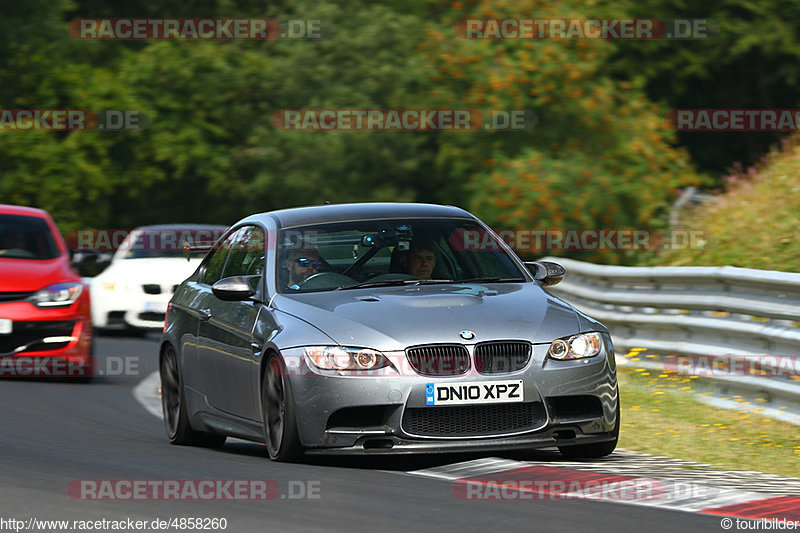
[(53, 433)]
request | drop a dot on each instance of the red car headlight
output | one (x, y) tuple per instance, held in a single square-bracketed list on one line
[(57, 295)]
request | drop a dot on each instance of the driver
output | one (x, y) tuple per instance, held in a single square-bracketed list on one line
[(420, 259), (300, 264)]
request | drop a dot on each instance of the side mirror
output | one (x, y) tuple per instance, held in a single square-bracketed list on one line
[(80, 258), (234, 288), (546, 272), (89, 263)]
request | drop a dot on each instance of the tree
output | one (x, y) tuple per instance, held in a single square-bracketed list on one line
[(751, 61), (600, 156)]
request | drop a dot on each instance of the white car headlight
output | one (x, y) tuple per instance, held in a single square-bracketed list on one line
[(345, 358), (576, 347), (58, 295)]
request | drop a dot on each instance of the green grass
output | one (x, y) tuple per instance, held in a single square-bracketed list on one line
[(754, 224), (661, 416)]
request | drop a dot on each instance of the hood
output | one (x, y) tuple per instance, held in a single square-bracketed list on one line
[(28, 275), (169, 270), (393, 318)]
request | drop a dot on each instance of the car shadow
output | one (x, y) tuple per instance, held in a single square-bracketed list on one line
[(401, 463), (133, 333)]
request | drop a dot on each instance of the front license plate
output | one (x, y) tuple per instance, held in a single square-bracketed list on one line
[(474, 392), (152, 306), (6, 326)]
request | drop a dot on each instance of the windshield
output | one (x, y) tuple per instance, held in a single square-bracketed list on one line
[(24, 237), (390, 252)]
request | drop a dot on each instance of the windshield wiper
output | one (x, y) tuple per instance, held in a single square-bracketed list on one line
[(393, 282), (490, 280)]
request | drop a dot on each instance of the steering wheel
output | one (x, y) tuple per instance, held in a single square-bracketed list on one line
[(393, 276), (324, 280)]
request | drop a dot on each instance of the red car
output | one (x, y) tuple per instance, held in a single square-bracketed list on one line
[(45, 319)]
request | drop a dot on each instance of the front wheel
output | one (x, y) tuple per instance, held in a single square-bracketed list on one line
[(278, 413), (173, 405)]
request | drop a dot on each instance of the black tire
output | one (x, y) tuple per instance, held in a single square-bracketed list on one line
[(593, 451), (278, 413), (173, 405)]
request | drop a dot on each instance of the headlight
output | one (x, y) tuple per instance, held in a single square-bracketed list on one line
[(111, 286), (345, 358), (576, 347), (58, 295)]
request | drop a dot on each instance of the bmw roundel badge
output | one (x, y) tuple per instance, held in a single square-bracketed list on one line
[(467, 335)]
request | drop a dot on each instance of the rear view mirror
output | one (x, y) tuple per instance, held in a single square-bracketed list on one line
[(546, 272), (370, 241)]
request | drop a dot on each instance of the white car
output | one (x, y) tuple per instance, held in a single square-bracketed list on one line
[(134, 290)]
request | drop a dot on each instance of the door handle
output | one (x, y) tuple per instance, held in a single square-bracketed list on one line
[(205, 314)]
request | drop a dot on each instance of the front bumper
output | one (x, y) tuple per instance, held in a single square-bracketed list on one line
[(129, 307), (338, 414), (54, 342), (554, 436)]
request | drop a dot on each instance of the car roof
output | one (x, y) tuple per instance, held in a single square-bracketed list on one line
[(8, 209), (320, 214), (183, 226)]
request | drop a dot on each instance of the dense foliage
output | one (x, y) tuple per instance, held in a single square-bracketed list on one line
[(599, 155)]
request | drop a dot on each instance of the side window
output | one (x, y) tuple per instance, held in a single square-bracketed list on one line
[(247, 254), (217, 259)]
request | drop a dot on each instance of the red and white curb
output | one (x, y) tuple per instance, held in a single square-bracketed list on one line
[(629, 478), (624, 477), (147, 393)]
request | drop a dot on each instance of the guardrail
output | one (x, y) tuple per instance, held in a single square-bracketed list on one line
[(696, 311)]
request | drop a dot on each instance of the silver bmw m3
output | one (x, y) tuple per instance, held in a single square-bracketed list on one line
[(382, 328)]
